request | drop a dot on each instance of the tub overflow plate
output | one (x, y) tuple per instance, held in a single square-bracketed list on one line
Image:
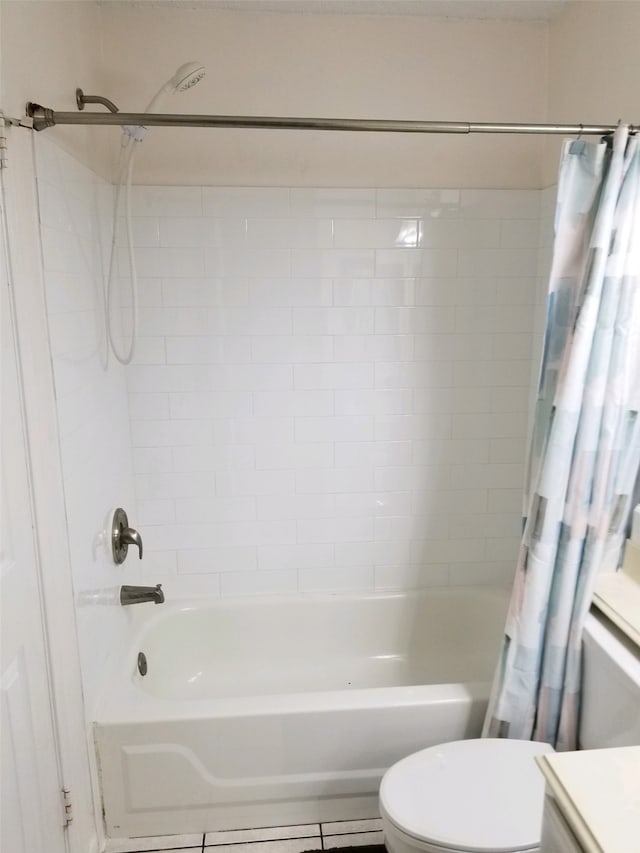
[(142, 663)]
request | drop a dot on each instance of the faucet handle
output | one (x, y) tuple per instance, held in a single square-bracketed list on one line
[(129, 536), (122, 536)]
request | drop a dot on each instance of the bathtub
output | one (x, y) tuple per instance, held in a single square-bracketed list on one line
[(267, 712)]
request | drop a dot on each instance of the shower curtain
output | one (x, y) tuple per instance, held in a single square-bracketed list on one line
[(585, 448)]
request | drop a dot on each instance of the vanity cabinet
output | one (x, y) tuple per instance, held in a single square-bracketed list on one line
[(557, 836), (592, 802)]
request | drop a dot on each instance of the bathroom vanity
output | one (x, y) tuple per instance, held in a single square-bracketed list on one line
[(592, 802)]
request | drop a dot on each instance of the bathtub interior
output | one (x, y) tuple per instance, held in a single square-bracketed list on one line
[(321, 643)]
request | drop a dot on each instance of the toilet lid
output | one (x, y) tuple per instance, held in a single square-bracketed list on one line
[(479, 795)]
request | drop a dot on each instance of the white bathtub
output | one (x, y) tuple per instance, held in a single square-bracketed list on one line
[(283, 711)]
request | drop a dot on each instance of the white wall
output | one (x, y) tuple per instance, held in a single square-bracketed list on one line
[(91, 402), (93, 424), (47, 50), (48, 495), (331, 386)]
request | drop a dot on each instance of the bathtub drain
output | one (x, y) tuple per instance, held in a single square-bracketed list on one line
[(142, 663)]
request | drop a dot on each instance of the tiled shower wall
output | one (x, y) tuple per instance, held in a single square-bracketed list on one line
[(331, 387), (75, 211)]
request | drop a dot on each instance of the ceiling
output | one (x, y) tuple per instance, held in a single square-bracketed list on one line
[(512, 10)]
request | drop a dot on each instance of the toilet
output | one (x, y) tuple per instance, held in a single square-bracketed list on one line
[(466, 795), (486, 795)]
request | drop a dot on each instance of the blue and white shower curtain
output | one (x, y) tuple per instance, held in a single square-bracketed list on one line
[(585, 448)]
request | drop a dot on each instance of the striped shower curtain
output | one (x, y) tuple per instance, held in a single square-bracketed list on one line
[(585, 449)]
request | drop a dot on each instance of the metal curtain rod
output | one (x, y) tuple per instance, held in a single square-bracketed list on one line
[(44, 118)]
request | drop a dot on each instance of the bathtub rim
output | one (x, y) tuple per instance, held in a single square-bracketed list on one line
[(127, 707)]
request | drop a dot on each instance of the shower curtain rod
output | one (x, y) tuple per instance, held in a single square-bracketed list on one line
[(43, 118)]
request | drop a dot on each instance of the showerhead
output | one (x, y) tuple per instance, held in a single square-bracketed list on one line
[(185, 77)]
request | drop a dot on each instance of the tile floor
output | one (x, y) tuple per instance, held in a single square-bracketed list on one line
[(276, 839)]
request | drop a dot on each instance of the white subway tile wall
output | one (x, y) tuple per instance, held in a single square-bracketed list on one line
[(93, 420), (331, 389)]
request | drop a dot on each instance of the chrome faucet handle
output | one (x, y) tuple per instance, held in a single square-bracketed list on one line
[(122, 536), (129, 536)]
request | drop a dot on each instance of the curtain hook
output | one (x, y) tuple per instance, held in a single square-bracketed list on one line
[(577, 146)]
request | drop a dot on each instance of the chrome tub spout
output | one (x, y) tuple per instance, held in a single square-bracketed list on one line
[(140, 594)]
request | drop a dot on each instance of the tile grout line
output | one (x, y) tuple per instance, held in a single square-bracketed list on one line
[(321, 836), (263, 840), (358, 832)]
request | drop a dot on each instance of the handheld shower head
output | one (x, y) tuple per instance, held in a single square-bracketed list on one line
[(185, 77)]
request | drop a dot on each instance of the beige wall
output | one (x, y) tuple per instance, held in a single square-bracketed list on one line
[(296, 64), (594, 67), (47, 50), (332, 65), (582, 66)]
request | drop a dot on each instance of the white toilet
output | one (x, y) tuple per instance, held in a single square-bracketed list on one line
[(486, 795)]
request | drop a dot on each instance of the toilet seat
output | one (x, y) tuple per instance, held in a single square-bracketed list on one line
[(483, 795), (398, 842)]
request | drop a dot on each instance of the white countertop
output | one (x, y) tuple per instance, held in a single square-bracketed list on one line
[(598, 791)]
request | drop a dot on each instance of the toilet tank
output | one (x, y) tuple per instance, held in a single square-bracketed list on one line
[(610, 713)]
